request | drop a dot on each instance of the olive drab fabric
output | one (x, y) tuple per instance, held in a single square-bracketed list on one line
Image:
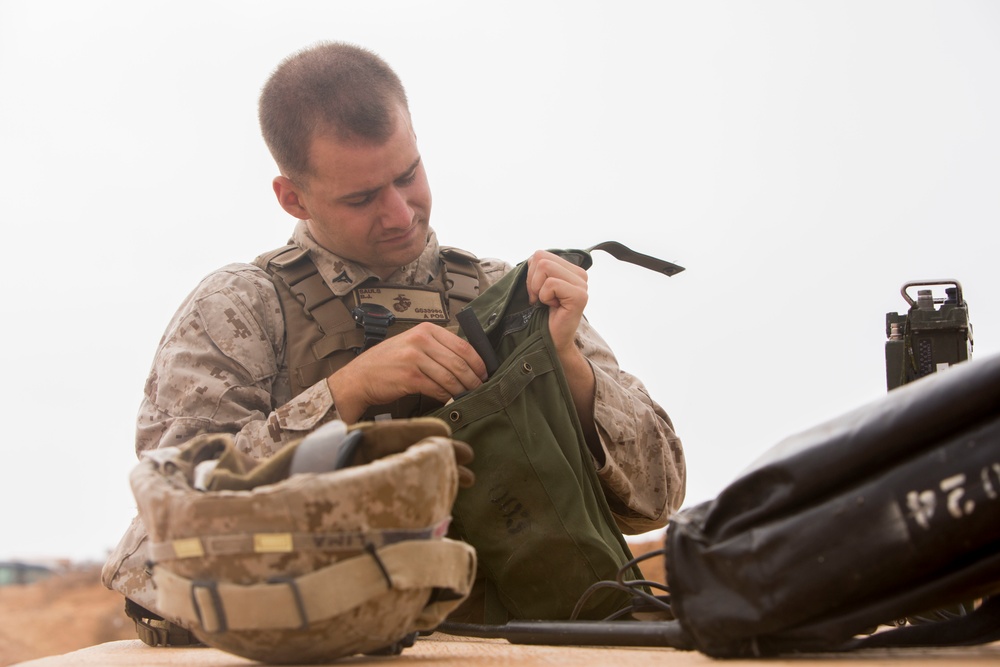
[(537, 516), (309, 566)]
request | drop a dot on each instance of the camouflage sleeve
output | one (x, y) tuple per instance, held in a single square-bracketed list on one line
[(644, 474), (216, 370)]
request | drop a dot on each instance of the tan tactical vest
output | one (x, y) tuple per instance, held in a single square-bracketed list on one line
[(321, 334)]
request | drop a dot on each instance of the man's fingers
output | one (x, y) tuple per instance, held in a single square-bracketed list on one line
[(466, 477), (427, 360), (549, 276), (458, 355), (463, 452), (446, 364), (559, 293)]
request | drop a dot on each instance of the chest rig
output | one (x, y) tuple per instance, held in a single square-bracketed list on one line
[(321, 333)]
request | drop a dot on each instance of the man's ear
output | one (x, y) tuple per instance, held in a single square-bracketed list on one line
[(290, 197)]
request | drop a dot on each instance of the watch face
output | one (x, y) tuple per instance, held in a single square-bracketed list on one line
[(370, 313)]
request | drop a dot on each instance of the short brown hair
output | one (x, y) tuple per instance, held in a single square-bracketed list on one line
[(332, 86)]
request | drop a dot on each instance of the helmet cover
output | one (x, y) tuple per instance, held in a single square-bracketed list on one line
[(309, 566)]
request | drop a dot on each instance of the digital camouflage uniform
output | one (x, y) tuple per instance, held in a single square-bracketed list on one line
[(220, 368)]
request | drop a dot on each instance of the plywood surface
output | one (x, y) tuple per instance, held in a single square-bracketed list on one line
[(454, 651)]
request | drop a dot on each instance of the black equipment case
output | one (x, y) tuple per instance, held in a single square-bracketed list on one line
[(884, 513)]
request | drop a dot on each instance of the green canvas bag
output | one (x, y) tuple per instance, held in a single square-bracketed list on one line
[(537, 515)]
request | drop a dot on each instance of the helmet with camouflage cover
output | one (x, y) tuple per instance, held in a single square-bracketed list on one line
[(334, 546)]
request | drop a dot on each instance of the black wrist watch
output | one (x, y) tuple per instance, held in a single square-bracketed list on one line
[(375, 320)]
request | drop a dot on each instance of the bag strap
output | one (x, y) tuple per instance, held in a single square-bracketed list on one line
[(463, 277), (625, 254), (979, 627), (293, 267), (296, 602)]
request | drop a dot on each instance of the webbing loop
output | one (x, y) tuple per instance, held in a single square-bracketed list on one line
[(218, 608), (300, 604)]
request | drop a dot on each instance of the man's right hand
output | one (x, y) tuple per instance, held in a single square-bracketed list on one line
[(427, 359)]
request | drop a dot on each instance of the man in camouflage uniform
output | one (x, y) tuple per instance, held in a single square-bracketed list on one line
[(336, 120)]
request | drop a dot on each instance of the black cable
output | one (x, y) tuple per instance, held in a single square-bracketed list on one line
[(641, 600), (611, 631)]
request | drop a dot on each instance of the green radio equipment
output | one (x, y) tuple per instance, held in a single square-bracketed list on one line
[(934, 333)]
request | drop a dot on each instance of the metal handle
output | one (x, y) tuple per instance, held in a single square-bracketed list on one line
[(925, 283)]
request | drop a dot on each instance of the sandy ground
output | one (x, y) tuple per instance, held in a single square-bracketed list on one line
[(64, 612), (72, 610)]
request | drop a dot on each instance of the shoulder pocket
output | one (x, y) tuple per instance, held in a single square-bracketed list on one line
[(231, 325)]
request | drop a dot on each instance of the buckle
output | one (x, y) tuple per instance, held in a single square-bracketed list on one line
[(154, 631), (150, 634)]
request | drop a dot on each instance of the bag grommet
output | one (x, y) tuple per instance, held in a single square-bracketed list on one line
[(454, 415)]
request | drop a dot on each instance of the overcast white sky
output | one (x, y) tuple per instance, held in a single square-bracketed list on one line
[(802, 159)]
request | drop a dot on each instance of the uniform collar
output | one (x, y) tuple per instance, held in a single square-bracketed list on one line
[(343, 275)]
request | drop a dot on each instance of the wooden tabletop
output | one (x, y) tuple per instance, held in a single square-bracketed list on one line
[(440, 649)]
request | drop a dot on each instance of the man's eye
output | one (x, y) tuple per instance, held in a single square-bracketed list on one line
[(358, 203), (406, 180)]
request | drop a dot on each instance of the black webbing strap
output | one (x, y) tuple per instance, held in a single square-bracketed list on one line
[(624, 254), (981, 626), (474, 333)]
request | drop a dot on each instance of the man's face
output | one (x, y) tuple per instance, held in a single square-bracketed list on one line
[(369, 203)]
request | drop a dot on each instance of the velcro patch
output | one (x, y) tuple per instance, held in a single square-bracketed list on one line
[(189, 547), (407, 303), (270, 543)]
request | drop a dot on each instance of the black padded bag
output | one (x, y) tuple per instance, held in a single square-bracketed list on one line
[(886, 512)]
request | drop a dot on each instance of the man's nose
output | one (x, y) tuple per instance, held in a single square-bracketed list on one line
[(396, 212)]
